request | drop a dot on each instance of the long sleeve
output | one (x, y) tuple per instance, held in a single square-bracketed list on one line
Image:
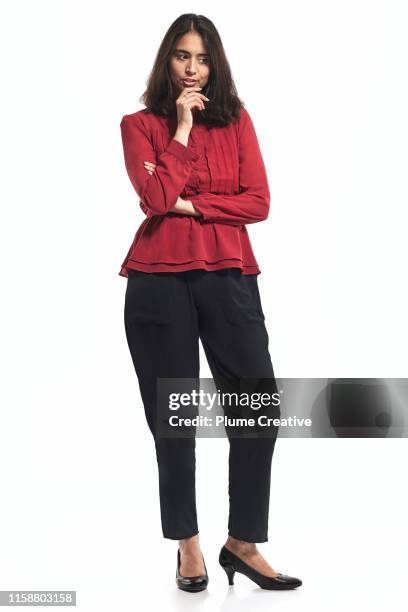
[(159, 191), (252, 203)]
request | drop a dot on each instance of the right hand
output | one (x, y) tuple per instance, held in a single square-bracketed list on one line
[(189, 99)]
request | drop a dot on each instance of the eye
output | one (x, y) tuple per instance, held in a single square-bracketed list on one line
[(183, 56)]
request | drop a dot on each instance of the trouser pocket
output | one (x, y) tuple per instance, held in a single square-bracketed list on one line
[(241, 300), (148, 298)]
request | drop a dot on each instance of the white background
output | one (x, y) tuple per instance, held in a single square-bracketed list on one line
[(325, 84)]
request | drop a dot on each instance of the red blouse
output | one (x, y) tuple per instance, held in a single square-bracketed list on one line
[(221, 171)]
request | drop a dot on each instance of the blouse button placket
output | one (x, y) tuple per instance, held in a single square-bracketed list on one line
[(194, 177)]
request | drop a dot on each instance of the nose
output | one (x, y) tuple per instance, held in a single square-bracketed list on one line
[(191, 69)]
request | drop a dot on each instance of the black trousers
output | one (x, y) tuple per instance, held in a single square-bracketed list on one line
[(165, 315)]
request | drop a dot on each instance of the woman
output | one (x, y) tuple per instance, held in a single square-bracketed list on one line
[(193, 158)]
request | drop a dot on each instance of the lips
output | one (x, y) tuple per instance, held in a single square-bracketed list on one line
[(189, 81)]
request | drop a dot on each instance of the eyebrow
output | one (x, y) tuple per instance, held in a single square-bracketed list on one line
[(188, 53)]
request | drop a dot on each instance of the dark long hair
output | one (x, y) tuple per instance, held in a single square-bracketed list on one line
[(160, 95)]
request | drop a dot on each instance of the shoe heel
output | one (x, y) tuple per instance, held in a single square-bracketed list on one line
[(229, 570)]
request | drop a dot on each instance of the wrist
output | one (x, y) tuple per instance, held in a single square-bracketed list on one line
[(182, 133)]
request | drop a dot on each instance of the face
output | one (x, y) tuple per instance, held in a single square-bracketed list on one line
[(189, 60)]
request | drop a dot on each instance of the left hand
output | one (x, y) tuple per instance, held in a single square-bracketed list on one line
[(181, 206), (150, 167)]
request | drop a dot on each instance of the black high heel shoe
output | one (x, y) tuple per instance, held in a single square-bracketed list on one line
[(231, 564), (191, 583)]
